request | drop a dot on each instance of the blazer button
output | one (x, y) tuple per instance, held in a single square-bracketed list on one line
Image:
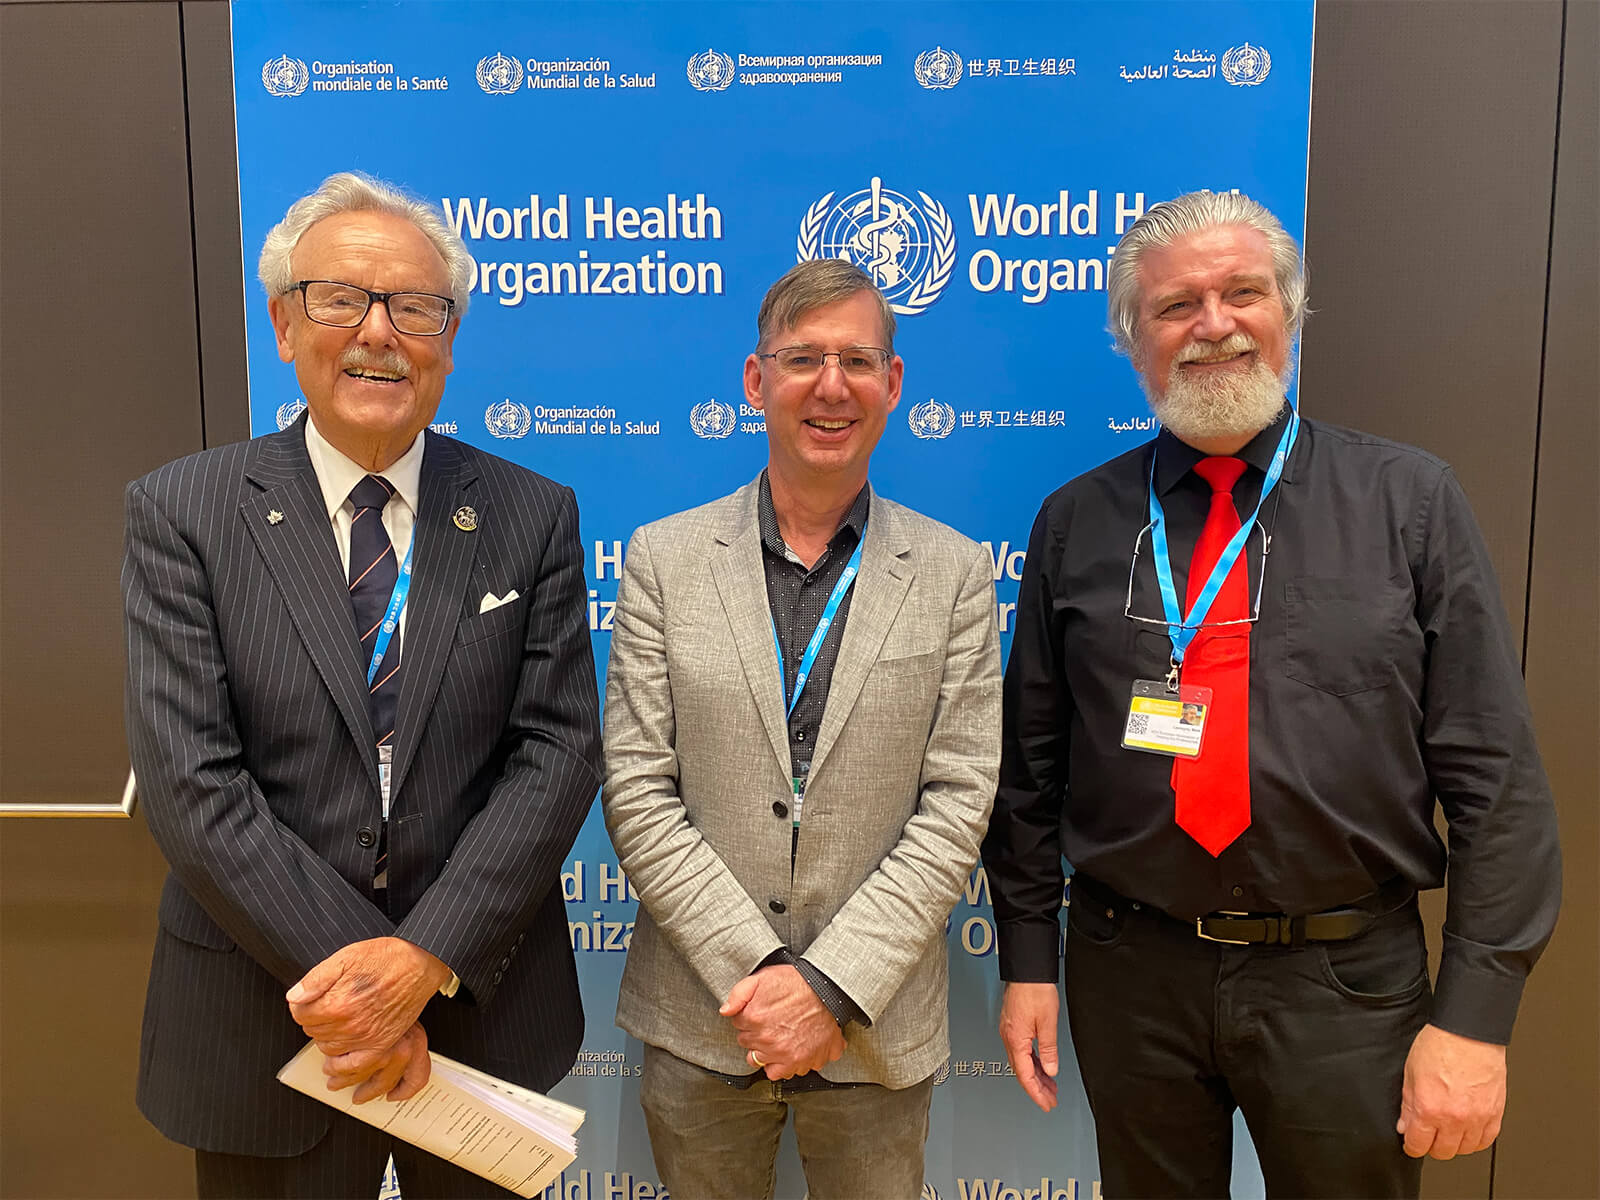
[(780, 809), (777, 906), (365, 837)]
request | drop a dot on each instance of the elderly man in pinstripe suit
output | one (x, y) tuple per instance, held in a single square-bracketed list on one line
[(362, 711)]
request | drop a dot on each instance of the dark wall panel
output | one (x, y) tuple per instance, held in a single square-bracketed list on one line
[(1428, 218), (221, 272), (100, 384), (1551, 1143), (98, 338)]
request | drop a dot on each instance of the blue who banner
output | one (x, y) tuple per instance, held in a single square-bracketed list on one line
[(632, 177)]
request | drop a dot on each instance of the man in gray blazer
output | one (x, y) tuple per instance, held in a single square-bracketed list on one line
[(802, 738), (362, 711)]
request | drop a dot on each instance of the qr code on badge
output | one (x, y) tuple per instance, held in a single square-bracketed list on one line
[(1138, 723)]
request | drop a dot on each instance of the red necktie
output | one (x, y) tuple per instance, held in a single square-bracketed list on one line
[(1213, 791)]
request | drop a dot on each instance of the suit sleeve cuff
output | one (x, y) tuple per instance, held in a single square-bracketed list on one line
[(1030, 949)]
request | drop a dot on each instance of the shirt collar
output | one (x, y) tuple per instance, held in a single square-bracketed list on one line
[(337, 474), (767, 518), (1175, 459)]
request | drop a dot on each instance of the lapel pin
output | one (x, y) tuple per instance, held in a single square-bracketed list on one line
[(274, 517), (466, 518)]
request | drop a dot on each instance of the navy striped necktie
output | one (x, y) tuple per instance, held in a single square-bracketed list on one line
[(373, 572)]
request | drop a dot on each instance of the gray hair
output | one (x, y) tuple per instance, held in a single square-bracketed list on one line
[(1194, 213), (353, 191), (810, 285)]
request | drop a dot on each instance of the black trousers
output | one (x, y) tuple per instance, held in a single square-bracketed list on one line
[(347, 1164), (1173, 1033)]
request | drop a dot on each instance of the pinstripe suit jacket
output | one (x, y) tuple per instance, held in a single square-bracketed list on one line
[(248, 727), (902, 779)]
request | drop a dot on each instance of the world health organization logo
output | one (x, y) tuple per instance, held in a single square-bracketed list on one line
[(931, 420), (289, 413), (508, 419), (938, 68), (285, 76), (909, 251), (942, 1074), (929, 1192), (710, 71), (499, 75), (713, 419), (1246, 65)]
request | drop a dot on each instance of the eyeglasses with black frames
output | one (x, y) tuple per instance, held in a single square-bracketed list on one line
[(344, 306), (862, 362)]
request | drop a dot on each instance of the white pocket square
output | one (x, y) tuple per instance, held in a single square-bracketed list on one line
[(491, 601)]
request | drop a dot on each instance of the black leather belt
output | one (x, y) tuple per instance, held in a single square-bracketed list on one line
[(1275, 929)]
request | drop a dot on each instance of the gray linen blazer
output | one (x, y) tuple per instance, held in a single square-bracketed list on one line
[(899, 794)]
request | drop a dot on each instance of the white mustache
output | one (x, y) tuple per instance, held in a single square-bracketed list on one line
[(389, 361), (1234, 343)]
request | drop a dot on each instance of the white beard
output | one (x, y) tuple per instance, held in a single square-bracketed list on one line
[(1224, 405)]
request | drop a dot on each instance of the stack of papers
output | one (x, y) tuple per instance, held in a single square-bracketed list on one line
[(505, 1133)]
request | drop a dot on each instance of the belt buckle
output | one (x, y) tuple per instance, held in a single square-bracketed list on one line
[(1200, 931)]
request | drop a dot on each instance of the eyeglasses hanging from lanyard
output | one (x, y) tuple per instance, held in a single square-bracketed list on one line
[(1182, 627)]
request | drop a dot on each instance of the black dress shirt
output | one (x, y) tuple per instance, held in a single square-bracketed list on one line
[(1382, 674), (796, 595)]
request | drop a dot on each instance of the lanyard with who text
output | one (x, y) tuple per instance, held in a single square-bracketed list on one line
[(1181, 629), (809, 658), (391, 615)]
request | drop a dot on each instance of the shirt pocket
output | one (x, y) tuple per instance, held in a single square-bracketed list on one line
[(1342, 634)]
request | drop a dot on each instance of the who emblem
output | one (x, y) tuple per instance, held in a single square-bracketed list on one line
[(1246, 65), (942, 1074), (285, 76), (710, 71), (499, 75), (508, 419), (713, 419), (938, 68), (909, 251), (289, 413), (931, 420), (929, 1192)]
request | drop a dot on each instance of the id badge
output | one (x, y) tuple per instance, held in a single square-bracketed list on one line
[(1161, 722), (385, 768), (798, 783)]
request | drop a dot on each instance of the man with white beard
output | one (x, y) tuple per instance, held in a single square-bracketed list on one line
[(1239, 753)]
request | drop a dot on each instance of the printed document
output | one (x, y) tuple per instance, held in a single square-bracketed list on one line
[(506, 1133)]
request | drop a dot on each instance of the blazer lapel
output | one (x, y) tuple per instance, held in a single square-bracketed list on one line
[(741, 583), (875, 601), (441, 565), (303, 559)]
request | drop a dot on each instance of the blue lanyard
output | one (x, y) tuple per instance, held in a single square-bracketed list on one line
[(1182, 629), (809, 658), (391, 615)]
